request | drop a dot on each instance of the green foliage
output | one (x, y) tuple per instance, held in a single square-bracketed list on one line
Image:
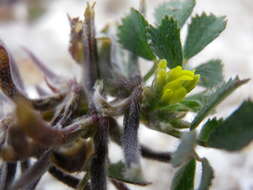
[(192, 105), (165, 41), (211, 73), (208, 128), (132, 34), (236, 131), (202, 30), (179, 10), (185, 105), (216, 97), (206, 176), (201, 98), (184, 177)]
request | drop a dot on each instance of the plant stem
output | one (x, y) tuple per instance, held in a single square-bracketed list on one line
[(130, 134), (154, 155), (90, 72), (33, 173), (150, 73), (67, 179), (7, 174), (98, 163), (83, 184)]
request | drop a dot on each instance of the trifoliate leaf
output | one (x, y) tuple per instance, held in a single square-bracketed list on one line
[(132, 35), (210, 73), (216, 97), (185, 149), (165, 42), (202, 30), (179, 10), (184, 177), (236, 131), (207, 175), (208, 128)]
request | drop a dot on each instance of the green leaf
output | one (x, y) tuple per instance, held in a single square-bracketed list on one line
[(165, 42), (208, 128), (118, 171), (207, 175), (184, 106), (180, 124), (202, 30), (179, 10), (192, 105), (184, 177), (236, 131), (216, 97), (201, 98), (210, 73), (185, 149), (132, 35)]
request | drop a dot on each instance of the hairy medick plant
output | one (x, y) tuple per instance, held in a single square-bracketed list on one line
[(68, 130)]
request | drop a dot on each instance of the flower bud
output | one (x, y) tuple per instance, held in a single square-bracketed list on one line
[(172, 86)]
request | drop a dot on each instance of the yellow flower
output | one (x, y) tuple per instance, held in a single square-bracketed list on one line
[(173, 85)]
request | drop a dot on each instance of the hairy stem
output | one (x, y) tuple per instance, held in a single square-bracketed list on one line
[(8, 172), (155, 155), (98, 163), (130, 135), (90, 73), (33, 173), (67, 179)]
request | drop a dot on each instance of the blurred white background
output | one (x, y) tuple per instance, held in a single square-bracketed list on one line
[(48, 38)]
